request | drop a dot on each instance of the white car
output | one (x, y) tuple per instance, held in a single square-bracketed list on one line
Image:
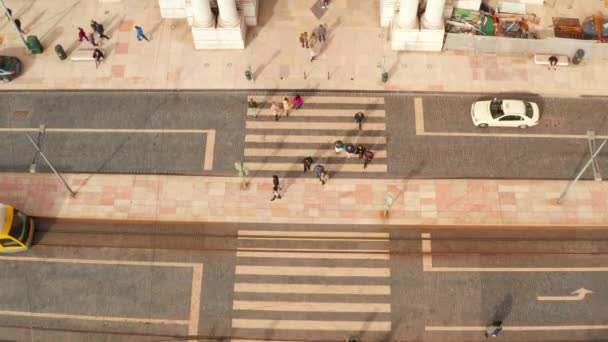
[(505, 113)]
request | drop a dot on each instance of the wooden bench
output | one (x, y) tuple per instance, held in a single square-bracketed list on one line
[(82, 55), (543, 59)]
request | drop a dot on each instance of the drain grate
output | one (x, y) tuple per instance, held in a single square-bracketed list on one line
[(20, 114)]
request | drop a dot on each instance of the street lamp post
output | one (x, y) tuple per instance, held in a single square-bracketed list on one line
[(10, 18), (72, 193)]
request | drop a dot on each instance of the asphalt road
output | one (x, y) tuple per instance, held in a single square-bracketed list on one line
[(152, 282), (168, 133)]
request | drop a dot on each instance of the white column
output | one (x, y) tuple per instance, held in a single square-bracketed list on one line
[(201, 10), (229, 16), (433, 15), (408, 14)]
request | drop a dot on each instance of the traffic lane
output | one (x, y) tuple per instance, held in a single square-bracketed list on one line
[(557, 116), (489, 157), (107, 152)]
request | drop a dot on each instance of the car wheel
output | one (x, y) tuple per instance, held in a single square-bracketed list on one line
[(5, 79), (482, 125), (523, 126)]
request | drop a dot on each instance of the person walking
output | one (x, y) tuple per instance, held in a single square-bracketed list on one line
[(305, 39), (252, 107), (98, 56), (82, 35), (324, 177), (322, 32), (276, 188), (297, 102), (140, 33), (368, 155), (339, 146), (552, 62), (360, 151), (318, 170), (312, 41), (350, 150), (18, 24), (286, 106), (359, 118), (97, 27), (275, 110), (494, 329), (302, 40), (307, 162)]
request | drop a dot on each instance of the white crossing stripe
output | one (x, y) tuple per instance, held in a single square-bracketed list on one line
[(313, 271), (374, 113), (323, 99), (372, 167), (310, 306), (343, 126), (313, 288), (339, 254), (297, 152), (272, 233), (272, 324), (262, 138)]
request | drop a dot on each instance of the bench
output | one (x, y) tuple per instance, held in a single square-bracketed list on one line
[(543, 59), (82, 55)]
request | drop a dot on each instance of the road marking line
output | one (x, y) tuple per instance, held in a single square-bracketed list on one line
[(297, 152), (100, 261), (313, 239), (94, 318), (578, 295), (209, 145), (330, 167), (511, 135), (373, 113), (314, 271), (311, 125), (314, 139), (273, 324), (282, 233), (309, 306), (519, 328), (195, 299), (330, 251), (324, 99), (427, 264), (313, 288), (419, 115), (304, 255)]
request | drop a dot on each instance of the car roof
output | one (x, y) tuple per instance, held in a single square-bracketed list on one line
[(513, 107)]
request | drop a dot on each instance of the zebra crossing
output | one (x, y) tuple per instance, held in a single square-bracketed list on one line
[(295, 284), (280, 146)]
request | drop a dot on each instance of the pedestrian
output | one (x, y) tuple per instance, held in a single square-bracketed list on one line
[(322, 31), (494, 329), (275, 110), (305, 39), (140, 33), (324, 3), (98, 56), (369, 155), (307, 162), (360, 151), (552, 62), (313, 54), (286, 106), (339, 146), (92, 39), (324, 177), (252, 107), (18, 24), (350, 150), (318, 170), (302, 40), (359, 118), (276, 188), (297, 102), (97, 27), (82, 34), (312, 41)]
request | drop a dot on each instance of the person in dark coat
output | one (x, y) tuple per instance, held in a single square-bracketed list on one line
[(307, 162)]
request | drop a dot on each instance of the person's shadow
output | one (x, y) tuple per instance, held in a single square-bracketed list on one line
[(503, 310)]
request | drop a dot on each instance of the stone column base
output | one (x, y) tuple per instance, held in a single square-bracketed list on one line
[(416, 40), (211, 38)]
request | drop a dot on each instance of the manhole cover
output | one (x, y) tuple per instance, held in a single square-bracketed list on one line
[(21, 113), (552, 122)]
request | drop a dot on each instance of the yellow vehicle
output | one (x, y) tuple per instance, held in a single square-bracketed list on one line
[(16, 230)]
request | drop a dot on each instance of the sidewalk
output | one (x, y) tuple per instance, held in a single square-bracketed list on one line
[(355, 49), (216, 199)]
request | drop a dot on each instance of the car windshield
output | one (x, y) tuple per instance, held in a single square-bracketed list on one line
[(18, 228), (529, 110), (496, 108)]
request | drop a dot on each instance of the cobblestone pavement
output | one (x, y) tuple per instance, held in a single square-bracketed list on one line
[(205, 133), (303, 282)]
